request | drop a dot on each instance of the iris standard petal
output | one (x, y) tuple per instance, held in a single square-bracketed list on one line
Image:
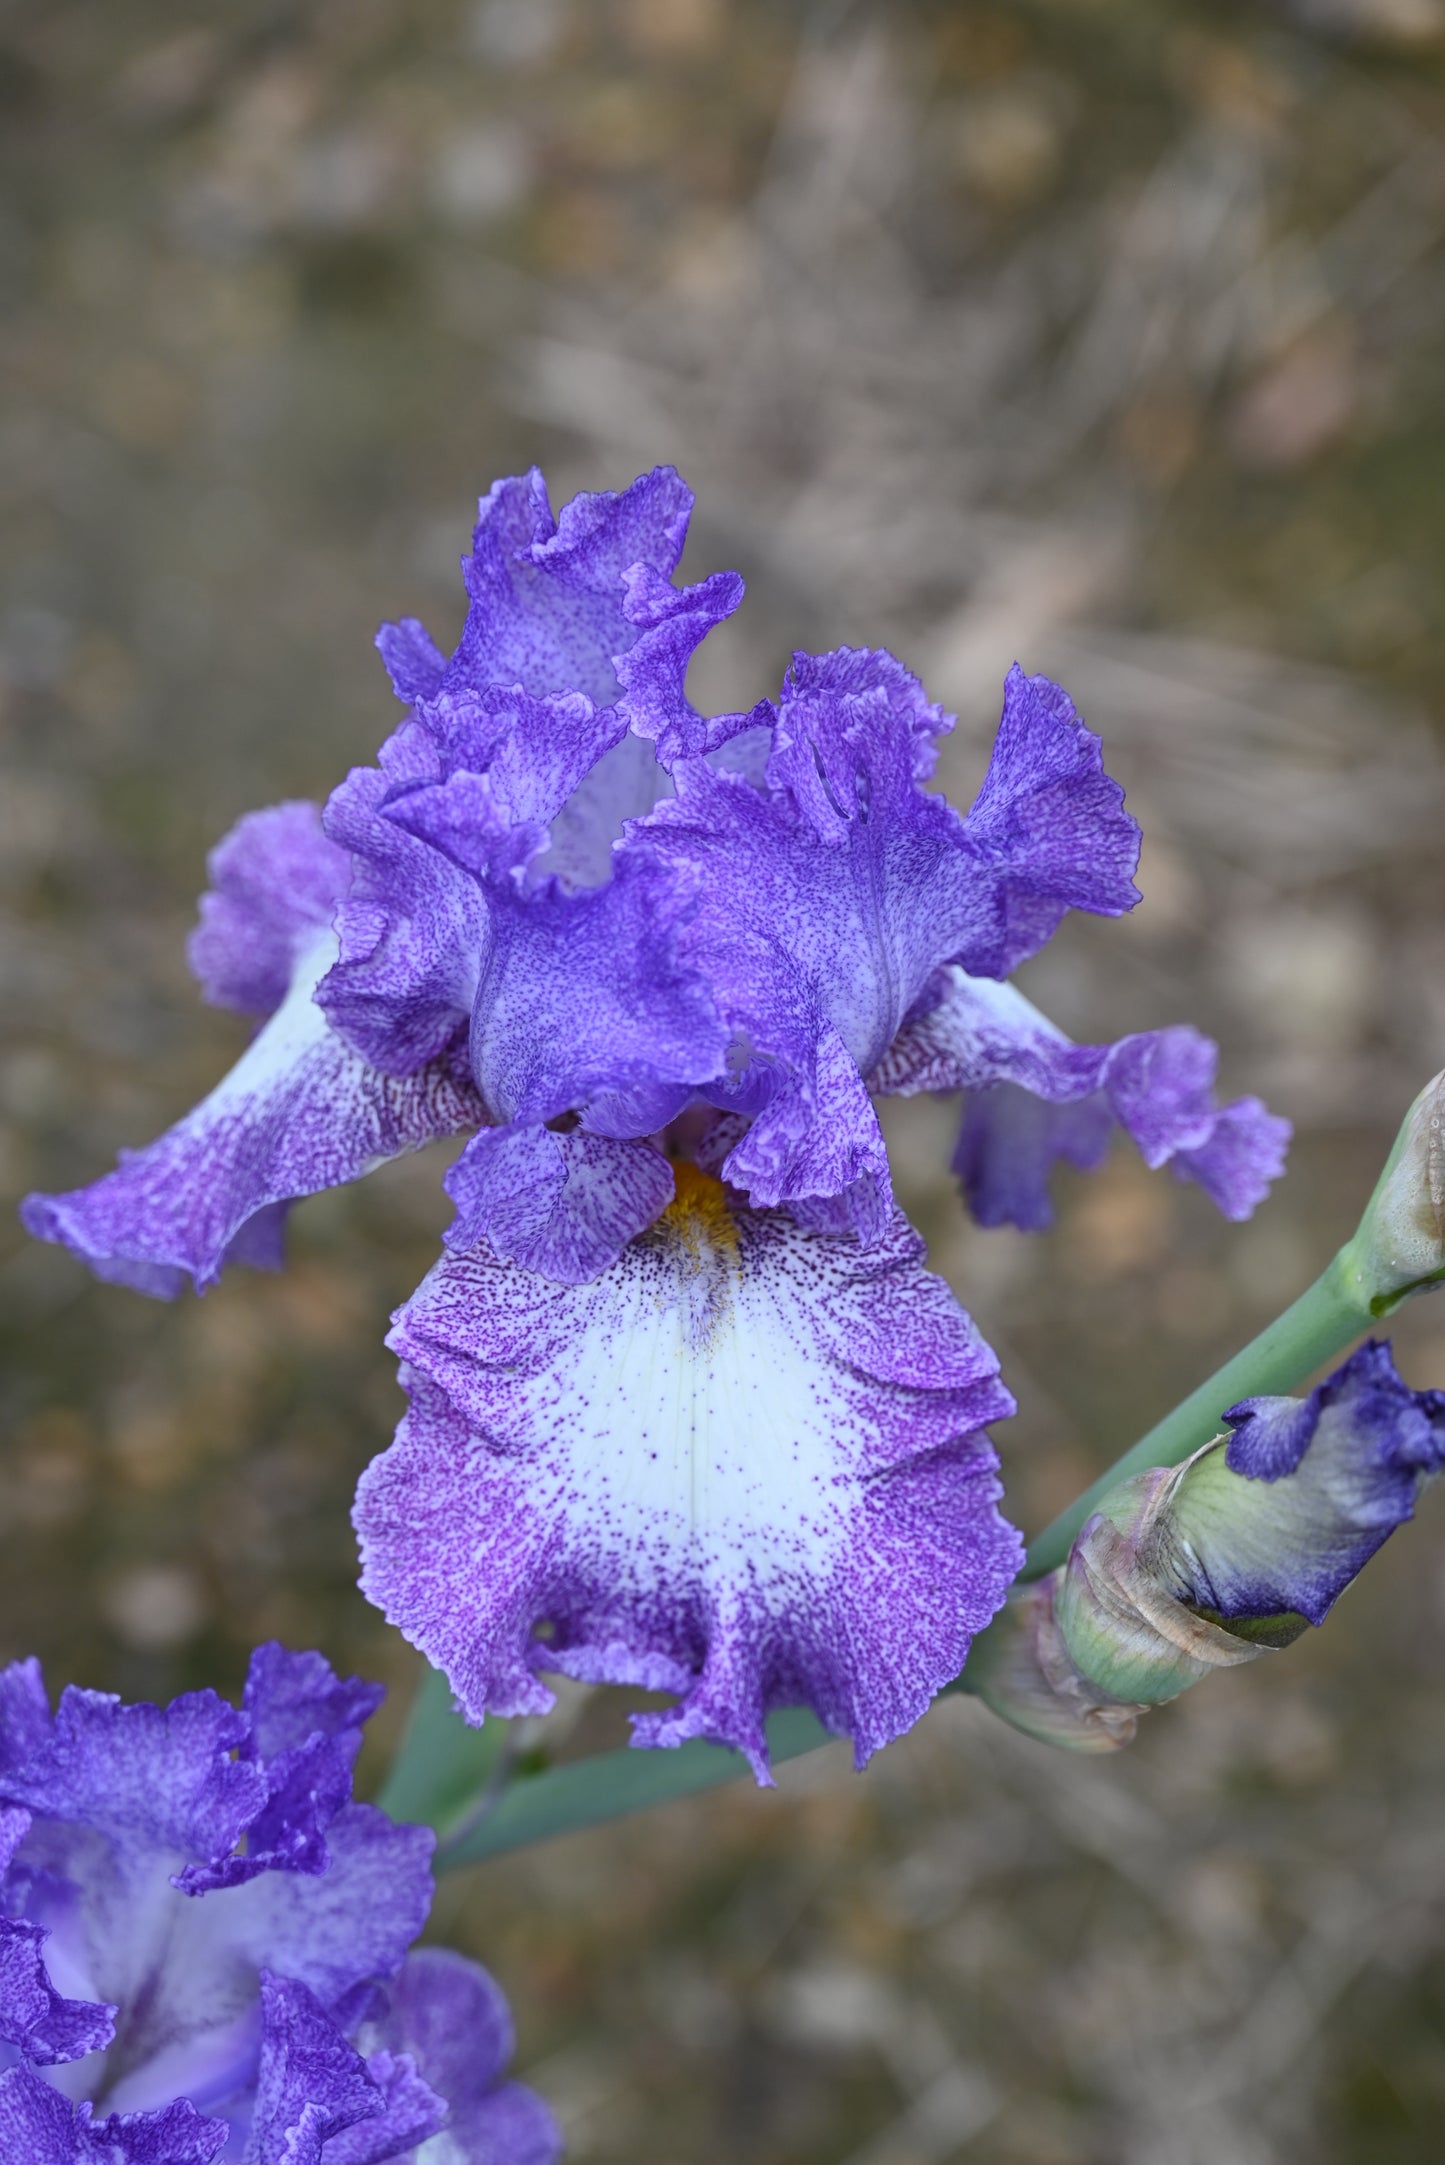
[(1051, 822), (586, 997), (513, 766), (412, 926), (517, 759), (671, 625), (578, 1003), (830, 896), (547, 594), (582, 1008)]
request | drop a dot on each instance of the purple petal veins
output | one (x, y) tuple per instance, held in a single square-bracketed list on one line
[(745, 1466), (204, 1940)]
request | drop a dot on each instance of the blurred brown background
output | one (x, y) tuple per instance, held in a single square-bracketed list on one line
[(1097, 333)]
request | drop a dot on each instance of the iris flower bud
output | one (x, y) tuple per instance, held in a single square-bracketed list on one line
[(1209, 1564)]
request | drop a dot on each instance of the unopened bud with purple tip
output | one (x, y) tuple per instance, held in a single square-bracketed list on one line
[(1206, 1565)]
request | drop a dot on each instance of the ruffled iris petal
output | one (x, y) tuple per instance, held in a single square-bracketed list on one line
[(275, 883), (563, 1205), (25, 1717), (547, 594), (816, 1145), (745, 1466), (671, 626), (830, 896), (413, 660), (512, 764), (1051, 823), (1035, 1097), (153, 1781), (584, 997), (200, 1928), (312, 2083), (121, 1876), (319, 2102), (40, 2127), (305, 1728), (412, 925), (487, 887), (581, 1006), (37, 2020), (290, 1698)]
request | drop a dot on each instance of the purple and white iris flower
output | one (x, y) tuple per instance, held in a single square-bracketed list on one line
[(687, 1410), (204, 1943)]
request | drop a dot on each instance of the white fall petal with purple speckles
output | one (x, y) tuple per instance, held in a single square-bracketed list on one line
[(744, 1466)]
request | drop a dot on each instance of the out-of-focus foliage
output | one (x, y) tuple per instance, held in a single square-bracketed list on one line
[(1093, 333)]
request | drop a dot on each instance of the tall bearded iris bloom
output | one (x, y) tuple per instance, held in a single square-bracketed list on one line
[(204, 1943), (686, 1409)]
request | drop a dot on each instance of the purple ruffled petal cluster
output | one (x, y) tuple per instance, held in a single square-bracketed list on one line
[(204, 1942), (625, 946)]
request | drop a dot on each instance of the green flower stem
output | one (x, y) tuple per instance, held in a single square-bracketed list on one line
[(1335, 1309), (442, 1764), (612, 1784), (452, 1778)]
